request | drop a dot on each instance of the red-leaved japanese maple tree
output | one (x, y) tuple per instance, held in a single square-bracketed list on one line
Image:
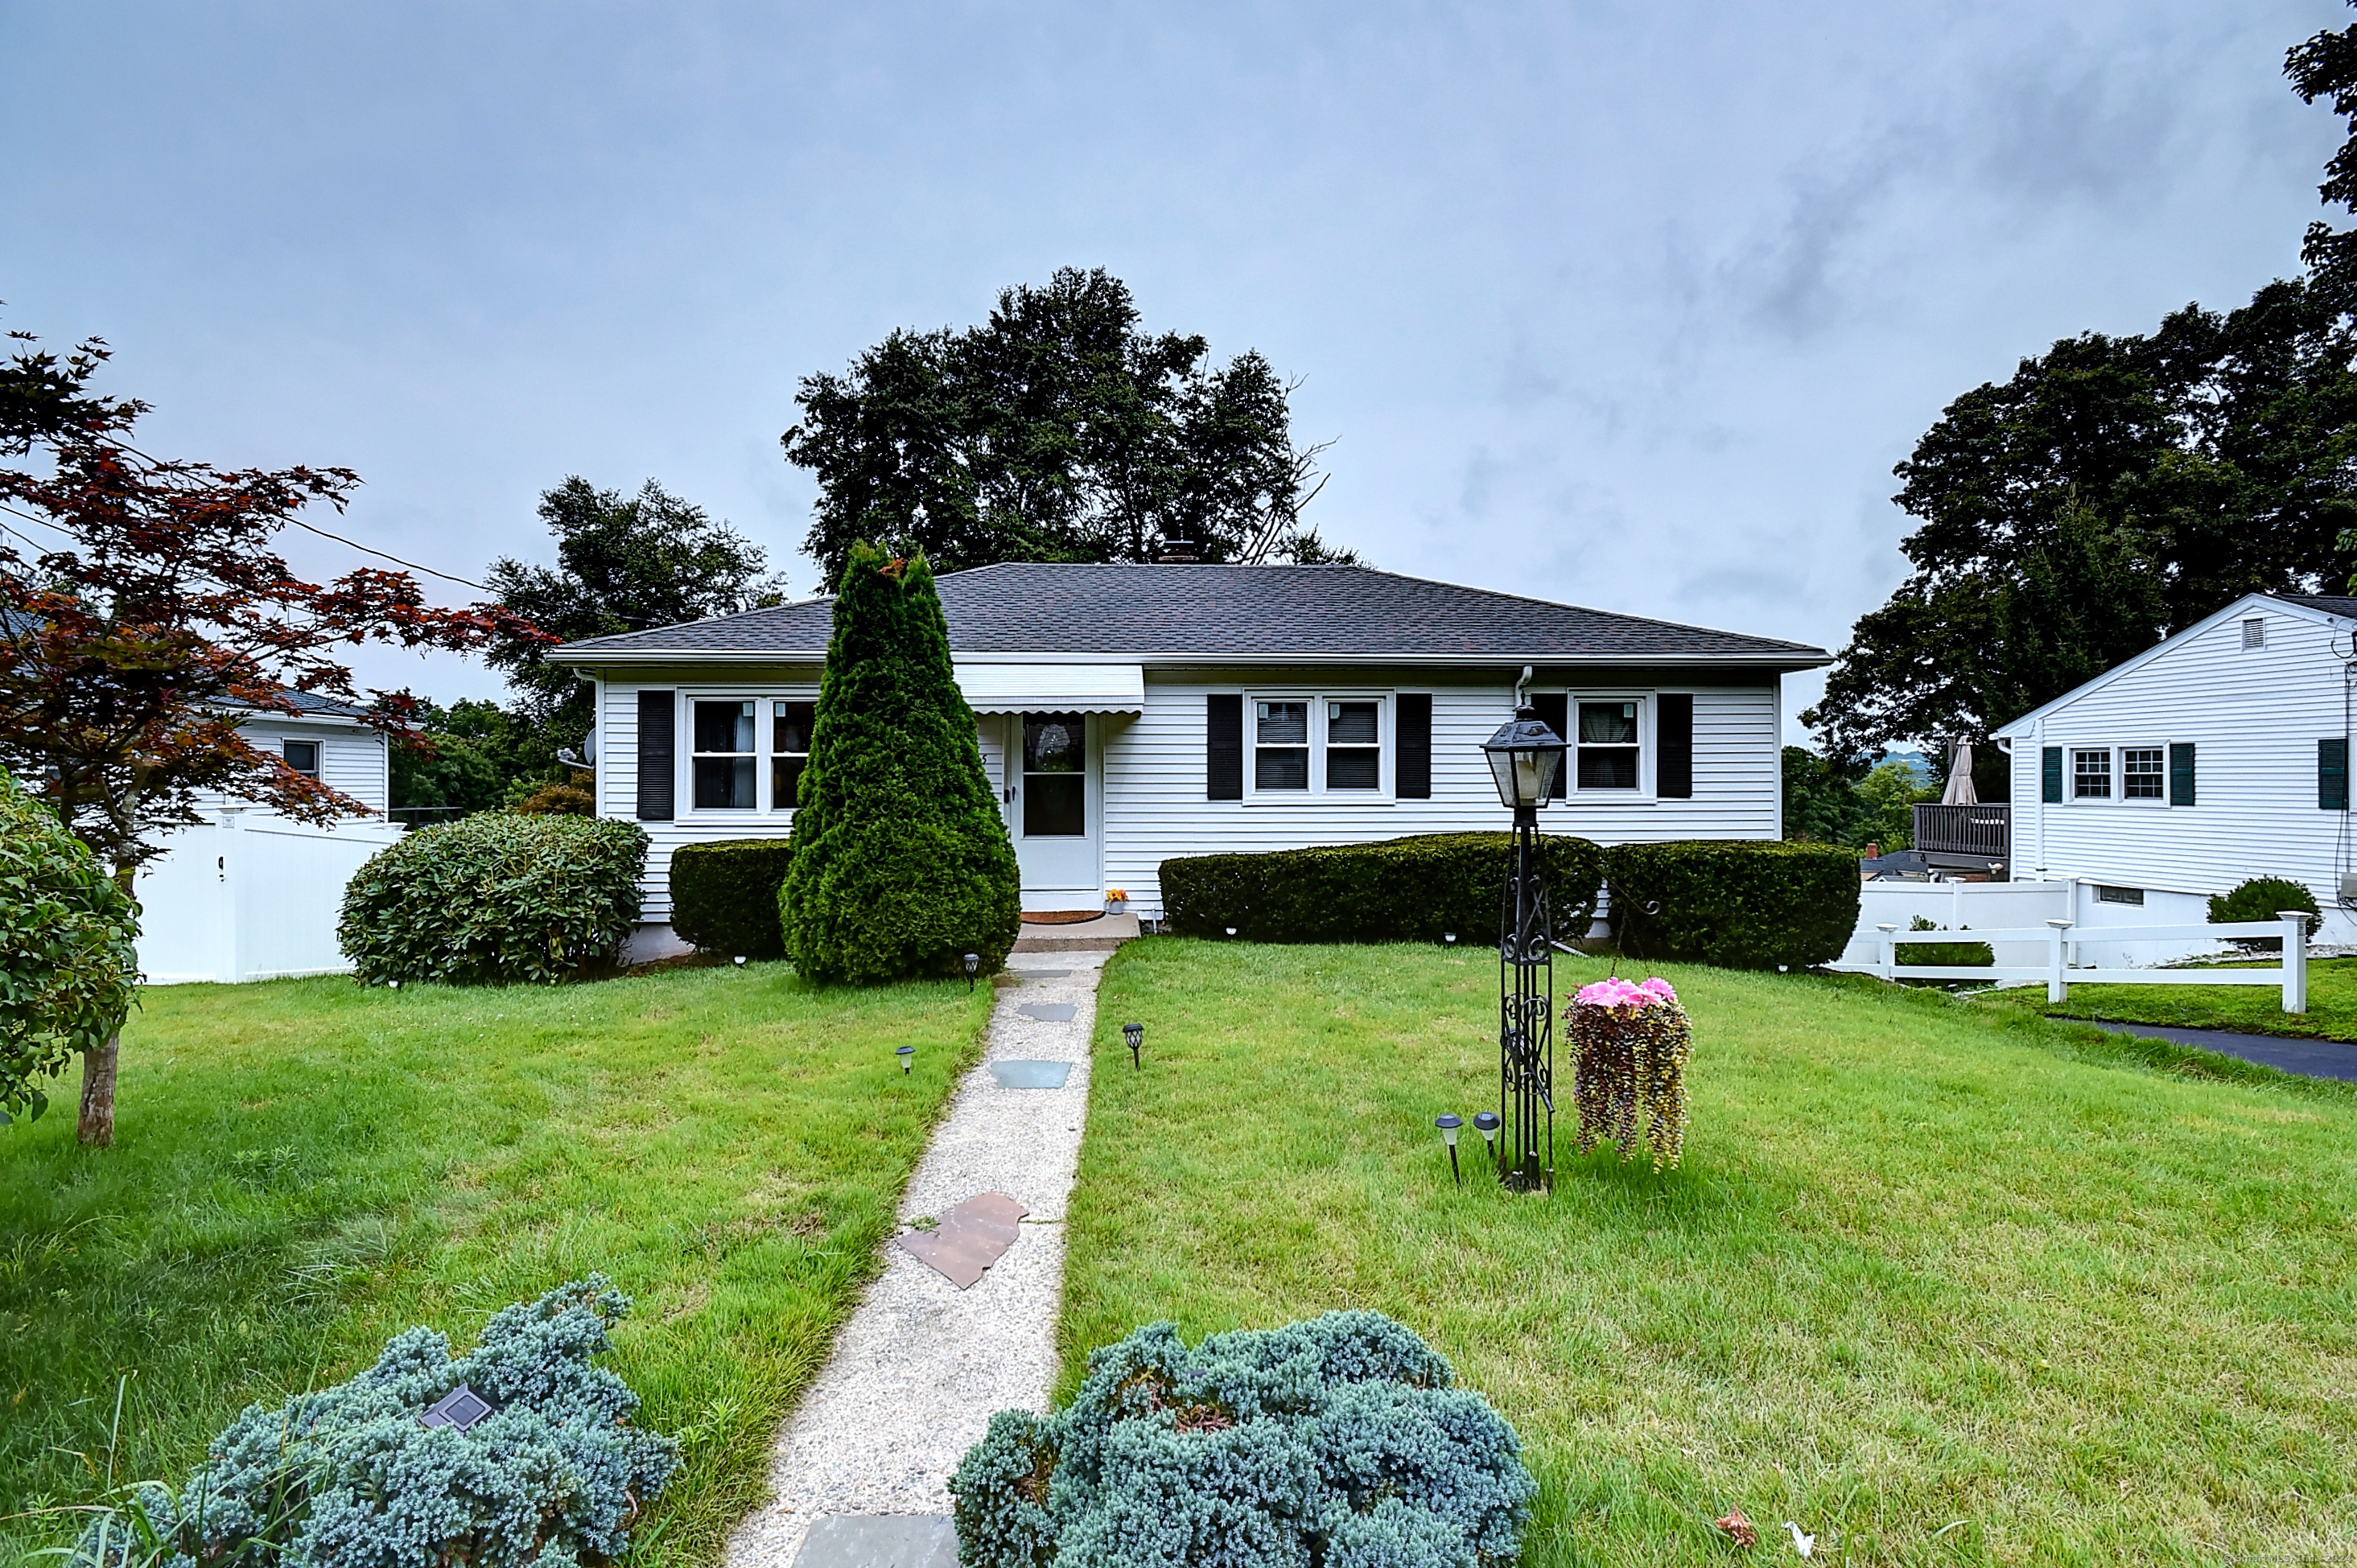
[(145, 614)]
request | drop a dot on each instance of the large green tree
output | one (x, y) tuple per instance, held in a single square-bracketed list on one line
[(1056, 430), (2113, 491), (2118, 489), (900, 860), (623, 564)]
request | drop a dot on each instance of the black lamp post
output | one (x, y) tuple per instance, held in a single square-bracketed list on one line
[(1449, 1121), (1525, 756), (1134, 1035)]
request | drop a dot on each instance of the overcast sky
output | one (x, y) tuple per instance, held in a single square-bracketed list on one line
[(1629, 306)]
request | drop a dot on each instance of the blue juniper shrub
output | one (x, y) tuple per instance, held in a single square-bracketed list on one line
[(346, 1478), (1339, 1441)]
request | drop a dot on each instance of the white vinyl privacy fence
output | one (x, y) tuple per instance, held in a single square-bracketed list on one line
[(2057, 971), (250, 895)]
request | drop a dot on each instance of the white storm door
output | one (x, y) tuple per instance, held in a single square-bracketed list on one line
[(1057, 808)]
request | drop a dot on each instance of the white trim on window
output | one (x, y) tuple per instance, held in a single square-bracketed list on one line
[(2124, 765), (763, 755), (2083, 784), (1329, 727), (287, 745), (1642, 721)]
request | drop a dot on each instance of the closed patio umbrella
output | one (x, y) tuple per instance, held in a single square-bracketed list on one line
[(1959, 791)]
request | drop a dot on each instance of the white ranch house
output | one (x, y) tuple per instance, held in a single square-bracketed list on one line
[(2219, 754), (1129, 713)]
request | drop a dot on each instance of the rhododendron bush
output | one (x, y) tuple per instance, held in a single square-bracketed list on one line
[(1630, 1043)]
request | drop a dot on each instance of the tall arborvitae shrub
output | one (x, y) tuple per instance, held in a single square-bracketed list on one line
[(900, 861)]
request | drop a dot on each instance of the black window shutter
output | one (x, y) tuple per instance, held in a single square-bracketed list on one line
[(2332, 774), (2180, 773), (657, 756), (1674, 729), (2050, 775), (1554, 709), (1413, 773), (1224, 746)]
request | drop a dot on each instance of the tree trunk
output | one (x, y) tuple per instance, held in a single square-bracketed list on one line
[(96, 1130)]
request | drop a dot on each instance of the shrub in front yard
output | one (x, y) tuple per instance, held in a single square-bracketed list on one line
[(1339, 1440), (67, 966), (1737, 903), (495, 899), (723, 896), (2262, 899), (900, 860), (1397, 890), (350, 1477)]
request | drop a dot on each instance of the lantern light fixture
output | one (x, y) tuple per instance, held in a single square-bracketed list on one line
[(1525, 756), (1134, 1035), (1486, 1123), (1449, 1121), (1231, 931), (908, 1054), (738, 960), (1448, 938), (973, 963)]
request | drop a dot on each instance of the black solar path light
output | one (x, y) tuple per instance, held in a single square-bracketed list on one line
[(1486, 1123), (1449, 1121), (1525, 756), (973, 963), (1231, 931), (1134, 1035), (908, 1054)]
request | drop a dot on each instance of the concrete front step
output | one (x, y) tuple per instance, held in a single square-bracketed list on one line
[(1102, 934)]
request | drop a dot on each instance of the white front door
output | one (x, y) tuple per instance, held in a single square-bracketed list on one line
[(1057, 806)]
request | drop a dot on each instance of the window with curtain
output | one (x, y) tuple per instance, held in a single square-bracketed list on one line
[(1607, 744), (725, 756), (1354, 752), (789, 743), (1281, 744)]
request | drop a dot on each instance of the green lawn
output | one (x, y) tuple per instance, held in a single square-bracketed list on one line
[(1941, 1282), (306, 1168), (2253, 1009)]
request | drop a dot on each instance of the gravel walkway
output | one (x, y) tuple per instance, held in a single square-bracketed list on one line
[(919, 1368)]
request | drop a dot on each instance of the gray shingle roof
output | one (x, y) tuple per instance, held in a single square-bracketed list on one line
[(1225, 612), (2328, 602)]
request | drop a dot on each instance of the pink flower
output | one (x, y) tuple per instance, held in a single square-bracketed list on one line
[(1615, 992)]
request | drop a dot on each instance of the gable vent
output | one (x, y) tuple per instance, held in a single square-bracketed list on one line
[(2254, 632)]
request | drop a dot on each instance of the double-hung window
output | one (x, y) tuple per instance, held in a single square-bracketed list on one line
[(1307, 746), (1608, 744), (725, 756), (789, 743), (2090, 773), (2144, 773)]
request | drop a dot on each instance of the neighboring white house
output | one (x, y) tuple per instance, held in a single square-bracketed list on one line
[(2217, 755), (253, 895), (1129, 713)]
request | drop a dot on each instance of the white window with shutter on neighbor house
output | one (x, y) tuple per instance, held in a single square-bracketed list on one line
[(2090, 773)]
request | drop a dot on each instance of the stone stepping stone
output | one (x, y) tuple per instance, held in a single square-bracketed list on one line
[(968, 1238), (1048, 1012), (880, 1541), (1041, 973), (1030, 1074)]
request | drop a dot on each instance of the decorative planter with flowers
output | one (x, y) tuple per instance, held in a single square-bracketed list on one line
[(1116, 901), (1630, 1043)]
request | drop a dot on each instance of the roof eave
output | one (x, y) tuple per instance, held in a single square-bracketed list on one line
[(1797, 659)]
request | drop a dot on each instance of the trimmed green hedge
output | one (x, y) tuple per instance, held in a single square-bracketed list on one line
[(494, 898), (1396, 890), (723, 896), (1737, 903), (2263, 899)]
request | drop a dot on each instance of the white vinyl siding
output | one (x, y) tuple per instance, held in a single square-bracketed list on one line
[(2253, 713), (1154, 777), (351, 759)]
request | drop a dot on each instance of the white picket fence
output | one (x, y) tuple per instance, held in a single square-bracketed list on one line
[(2290, 975)]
